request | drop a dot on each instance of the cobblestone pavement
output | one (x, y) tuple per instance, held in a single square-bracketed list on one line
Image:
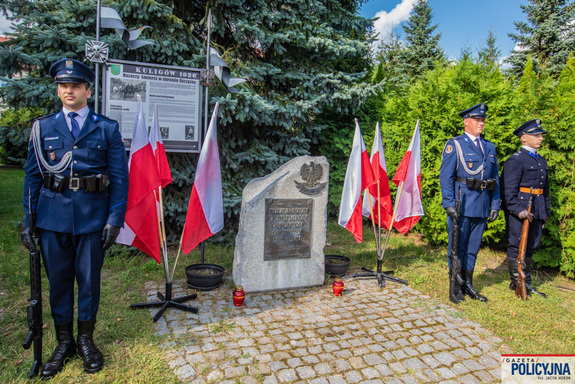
[(368, 335)]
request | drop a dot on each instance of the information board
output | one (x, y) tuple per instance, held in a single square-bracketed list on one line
[(175, 90)]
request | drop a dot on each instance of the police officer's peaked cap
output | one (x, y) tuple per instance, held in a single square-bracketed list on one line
[(71, 71), (477, 111), (531, 127)]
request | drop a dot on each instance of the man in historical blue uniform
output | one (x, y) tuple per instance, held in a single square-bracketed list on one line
[(77, 183), (524, 173), (469, 172)]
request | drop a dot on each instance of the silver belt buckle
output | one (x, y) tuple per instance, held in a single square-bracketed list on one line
[(74, 183)]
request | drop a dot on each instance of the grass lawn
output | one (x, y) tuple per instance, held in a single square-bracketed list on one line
[(133, 353)]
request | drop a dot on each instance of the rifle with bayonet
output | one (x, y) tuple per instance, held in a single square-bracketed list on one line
[(454, 262), (521, 288), (34, 311)]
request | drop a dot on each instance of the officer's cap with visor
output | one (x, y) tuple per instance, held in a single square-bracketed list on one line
[(71, 71), (478, 111), (532, 127)]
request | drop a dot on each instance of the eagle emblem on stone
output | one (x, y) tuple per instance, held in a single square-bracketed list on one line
[(311, 174)]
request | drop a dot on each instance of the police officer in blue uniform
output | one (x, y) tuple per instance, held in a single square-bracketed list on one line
[(523, 173), (77, 183), (469, 171)]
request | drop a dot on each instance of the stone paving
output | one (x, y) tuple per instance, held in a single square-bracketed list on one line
[(369, 335)]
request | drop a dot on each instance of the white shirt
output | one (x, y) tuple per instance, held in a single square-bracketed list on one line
[(473, 140), (80, 119)]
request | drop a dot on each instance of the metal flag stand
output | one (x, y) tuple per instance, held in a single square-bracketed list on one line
[(97, 52), (380, 275), (166, 301)]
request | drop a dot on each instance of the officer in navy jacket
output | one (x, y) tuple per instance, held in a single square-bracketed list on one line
[(77, 183), (469, 171), (523, 173)]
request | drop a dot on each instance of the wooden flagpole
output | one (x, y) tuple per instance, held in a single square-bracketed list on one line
[(166, 300), (397, 199), (162, 230), (372, 219)]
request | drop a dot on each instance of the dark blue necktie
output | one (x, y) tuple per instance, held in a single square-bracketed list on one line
[(74, 123), (478, 145)]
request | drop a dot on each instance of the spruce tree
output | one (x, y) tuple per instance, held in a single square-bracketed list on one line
[(388, 56), (489, 54), (547, 36), (299, 58), (422, 48)]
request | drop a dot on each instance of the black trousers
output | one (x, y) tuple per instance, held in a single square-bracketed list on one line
[(513, 226)]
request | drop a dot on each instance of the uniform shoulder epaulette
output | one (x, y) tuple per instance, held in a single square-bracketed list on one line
[(517, 153), (456, 137), (97, 116), (46, 116)]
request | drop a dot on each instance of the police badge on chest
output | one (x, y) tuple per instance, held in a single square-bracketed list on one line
[(52, 155)]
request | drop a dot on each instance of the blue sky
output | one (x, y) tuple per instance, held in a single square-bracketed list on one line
[(462, 23)]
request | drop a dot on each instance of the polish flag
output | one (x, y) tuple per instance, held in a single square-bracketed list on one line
[(358, 177), (206, 208), (141, 223), (380, 196), (408, 200), (159, 151)]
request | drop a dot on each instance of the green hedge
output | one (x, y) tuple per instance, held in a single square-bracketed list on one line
[(437, 98)]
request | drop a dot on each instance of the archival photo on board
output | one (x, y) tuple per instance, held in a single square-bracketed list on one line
[(127, 89)]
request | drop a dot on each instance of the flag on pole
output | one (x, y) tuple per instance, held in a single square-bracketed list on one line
[(380, 195), (159, 151), (358, 177), (408, 203), (141, 223), (205, 215)]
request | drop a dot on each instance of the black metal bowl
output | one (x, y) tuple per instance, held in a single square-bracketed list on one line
[(204, 277), (336, 265)]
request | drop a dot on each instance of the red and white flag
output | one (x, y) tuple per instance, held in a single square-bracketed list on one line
[(206, 208), (408, 203), (380, 196), (141, 223), (159, 152), (358, 177)]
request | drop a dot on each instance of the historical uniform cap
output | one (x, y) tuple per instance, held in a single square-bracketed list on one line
[(531, 127), (477, 111), (71, 71)]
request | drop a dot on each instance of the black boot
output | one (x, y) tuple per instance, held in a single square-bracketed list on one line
[(93, 358), (513, 273), (528, 285), (468, 288), (65, 350), (457, 296)]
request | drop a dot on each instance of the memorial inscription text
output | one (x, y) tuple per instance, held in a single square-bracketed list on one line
[(288, 229)]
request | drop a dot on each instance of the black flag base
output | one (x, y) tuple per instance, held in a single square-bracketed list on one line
[(168, 302), (379, 275)]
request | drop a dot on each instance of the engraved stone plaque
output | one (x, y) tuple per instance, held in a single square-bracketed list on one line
[(282, 229), (288, 226)]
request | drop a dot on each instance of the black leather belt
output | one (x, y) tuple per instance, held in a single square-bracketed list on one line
[(477, 184), (58, 183)]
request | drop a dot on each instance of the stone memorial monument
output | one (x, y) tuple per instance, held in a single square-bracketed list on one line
[(282, 229)]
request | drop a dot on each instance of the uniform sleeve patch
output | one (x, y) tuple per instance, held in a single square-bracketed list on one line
[(448, 149)]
